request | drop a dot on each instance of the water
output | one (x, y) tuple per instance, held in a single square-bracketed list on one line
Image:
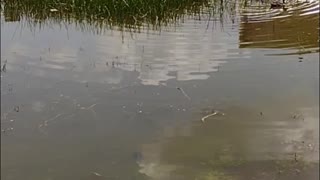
[(80, 103)]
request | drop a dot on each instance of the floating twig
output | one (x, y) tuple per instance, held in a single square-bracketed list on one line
[(184, 93), (90, 108), (45, 123), (207, 116)]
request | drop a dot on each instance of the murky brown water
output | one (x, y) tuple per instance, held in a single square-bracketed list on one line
[(232, 98)]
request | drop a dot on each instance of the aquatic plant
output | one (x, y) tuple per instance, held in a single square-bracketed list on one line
[(114, 12), (98, 15)]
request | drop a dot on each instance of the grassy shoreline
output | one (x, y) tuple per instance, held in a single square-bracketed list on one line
[(114, 12)]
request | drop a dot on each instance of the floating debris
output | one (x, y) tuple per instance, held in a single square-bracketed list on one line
[(89, 108), (184, 93), (207, 116), (4, 67), (45, 123), (96, 174)]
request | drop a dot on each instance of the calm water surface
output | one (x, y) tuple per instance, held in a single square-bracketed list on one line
[(234, 97)]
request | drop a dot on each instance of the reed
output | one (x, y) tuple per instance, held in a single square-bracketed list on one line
[(112, 12)]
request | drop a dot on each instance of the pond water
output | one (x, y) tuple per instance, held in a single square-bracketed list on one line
[(234, 96)]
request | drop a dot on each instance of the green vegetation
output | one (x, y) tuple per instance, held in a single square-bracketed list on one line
[(97, 15), (121, 13)]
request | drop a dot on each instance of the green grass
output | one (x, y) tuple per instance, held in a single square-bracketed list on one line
[(111, 12)]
